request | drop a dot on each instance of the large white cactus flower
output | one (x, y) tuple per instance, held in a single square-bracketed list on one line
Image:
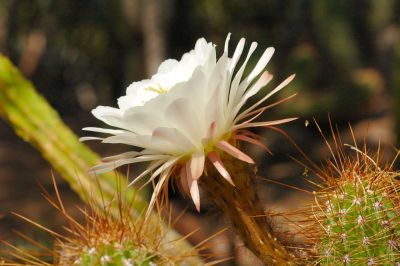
[(189, 111)]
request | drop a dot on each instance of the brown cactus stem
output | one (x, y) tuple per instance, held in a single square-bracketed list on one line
[(241, 206)]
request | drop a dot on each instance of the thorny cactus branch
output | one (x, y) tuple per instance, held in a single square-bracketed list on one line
[(241, 206), (35, 121)]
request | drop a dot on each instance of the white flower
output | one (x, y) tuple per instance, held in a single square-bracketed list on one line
[(190, 110)]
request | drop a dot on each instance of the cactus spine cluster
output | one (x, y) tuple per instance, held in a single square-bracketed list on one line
[(106, 241), (358, 215)]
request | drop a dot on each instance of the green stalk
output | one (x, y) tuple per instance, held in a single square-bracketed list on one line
[(35, 121)]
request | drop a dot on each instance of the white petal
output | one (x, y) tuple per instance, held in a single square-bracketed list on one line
[(178, 142), (261, 82), (233, 95), (196, 89), (102, 168), (217, 94), (105, 167), (124, 155), (167, 65), (261, 64), (160, 184), (256, 71), (226, 47), (153, 165), (104, 130), (195, 194), (137, 97), (236, 55), (90, 138), (193, 186), (202, 50), (127, 138), (181, 115), (165, 167), (264, 124), (264, 79), (138, 86), (109, 115), (143, 120)]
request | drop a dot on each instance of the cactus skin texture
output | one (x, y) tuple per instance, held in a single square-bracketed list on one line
[(115, 254), (359, 215)]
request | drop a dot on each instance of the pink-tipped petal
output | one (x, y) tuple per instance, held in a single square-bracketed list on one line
[(216, 161), (157, 189), (210, 133), (211, 130), (249, 134), (165, 167), (152, 166), (195, 193), (265, 124), (90, 138), (278, 88), (253, 141), (235, 152), (125, 155), (254, 114), (264, 79), (197, 165), (254, 89), (193, 187)]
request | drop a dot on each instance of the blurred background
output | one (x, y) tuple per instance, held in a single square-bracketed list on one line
[(80, 54)]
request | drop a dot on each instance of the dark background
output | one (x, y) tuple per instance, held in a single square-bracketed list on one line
[(80, 54)]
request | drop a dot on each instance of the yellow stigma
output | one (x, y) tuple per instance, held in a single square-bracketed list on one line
[(158, 89)]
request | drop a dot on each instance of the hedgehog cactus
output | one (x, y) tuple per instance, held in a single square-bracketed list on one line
[(358, 215), (107, 241)]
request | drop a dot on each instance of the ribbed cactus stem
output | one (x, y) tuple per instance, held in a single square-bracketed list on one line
[(241, 206), (361, 220)]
